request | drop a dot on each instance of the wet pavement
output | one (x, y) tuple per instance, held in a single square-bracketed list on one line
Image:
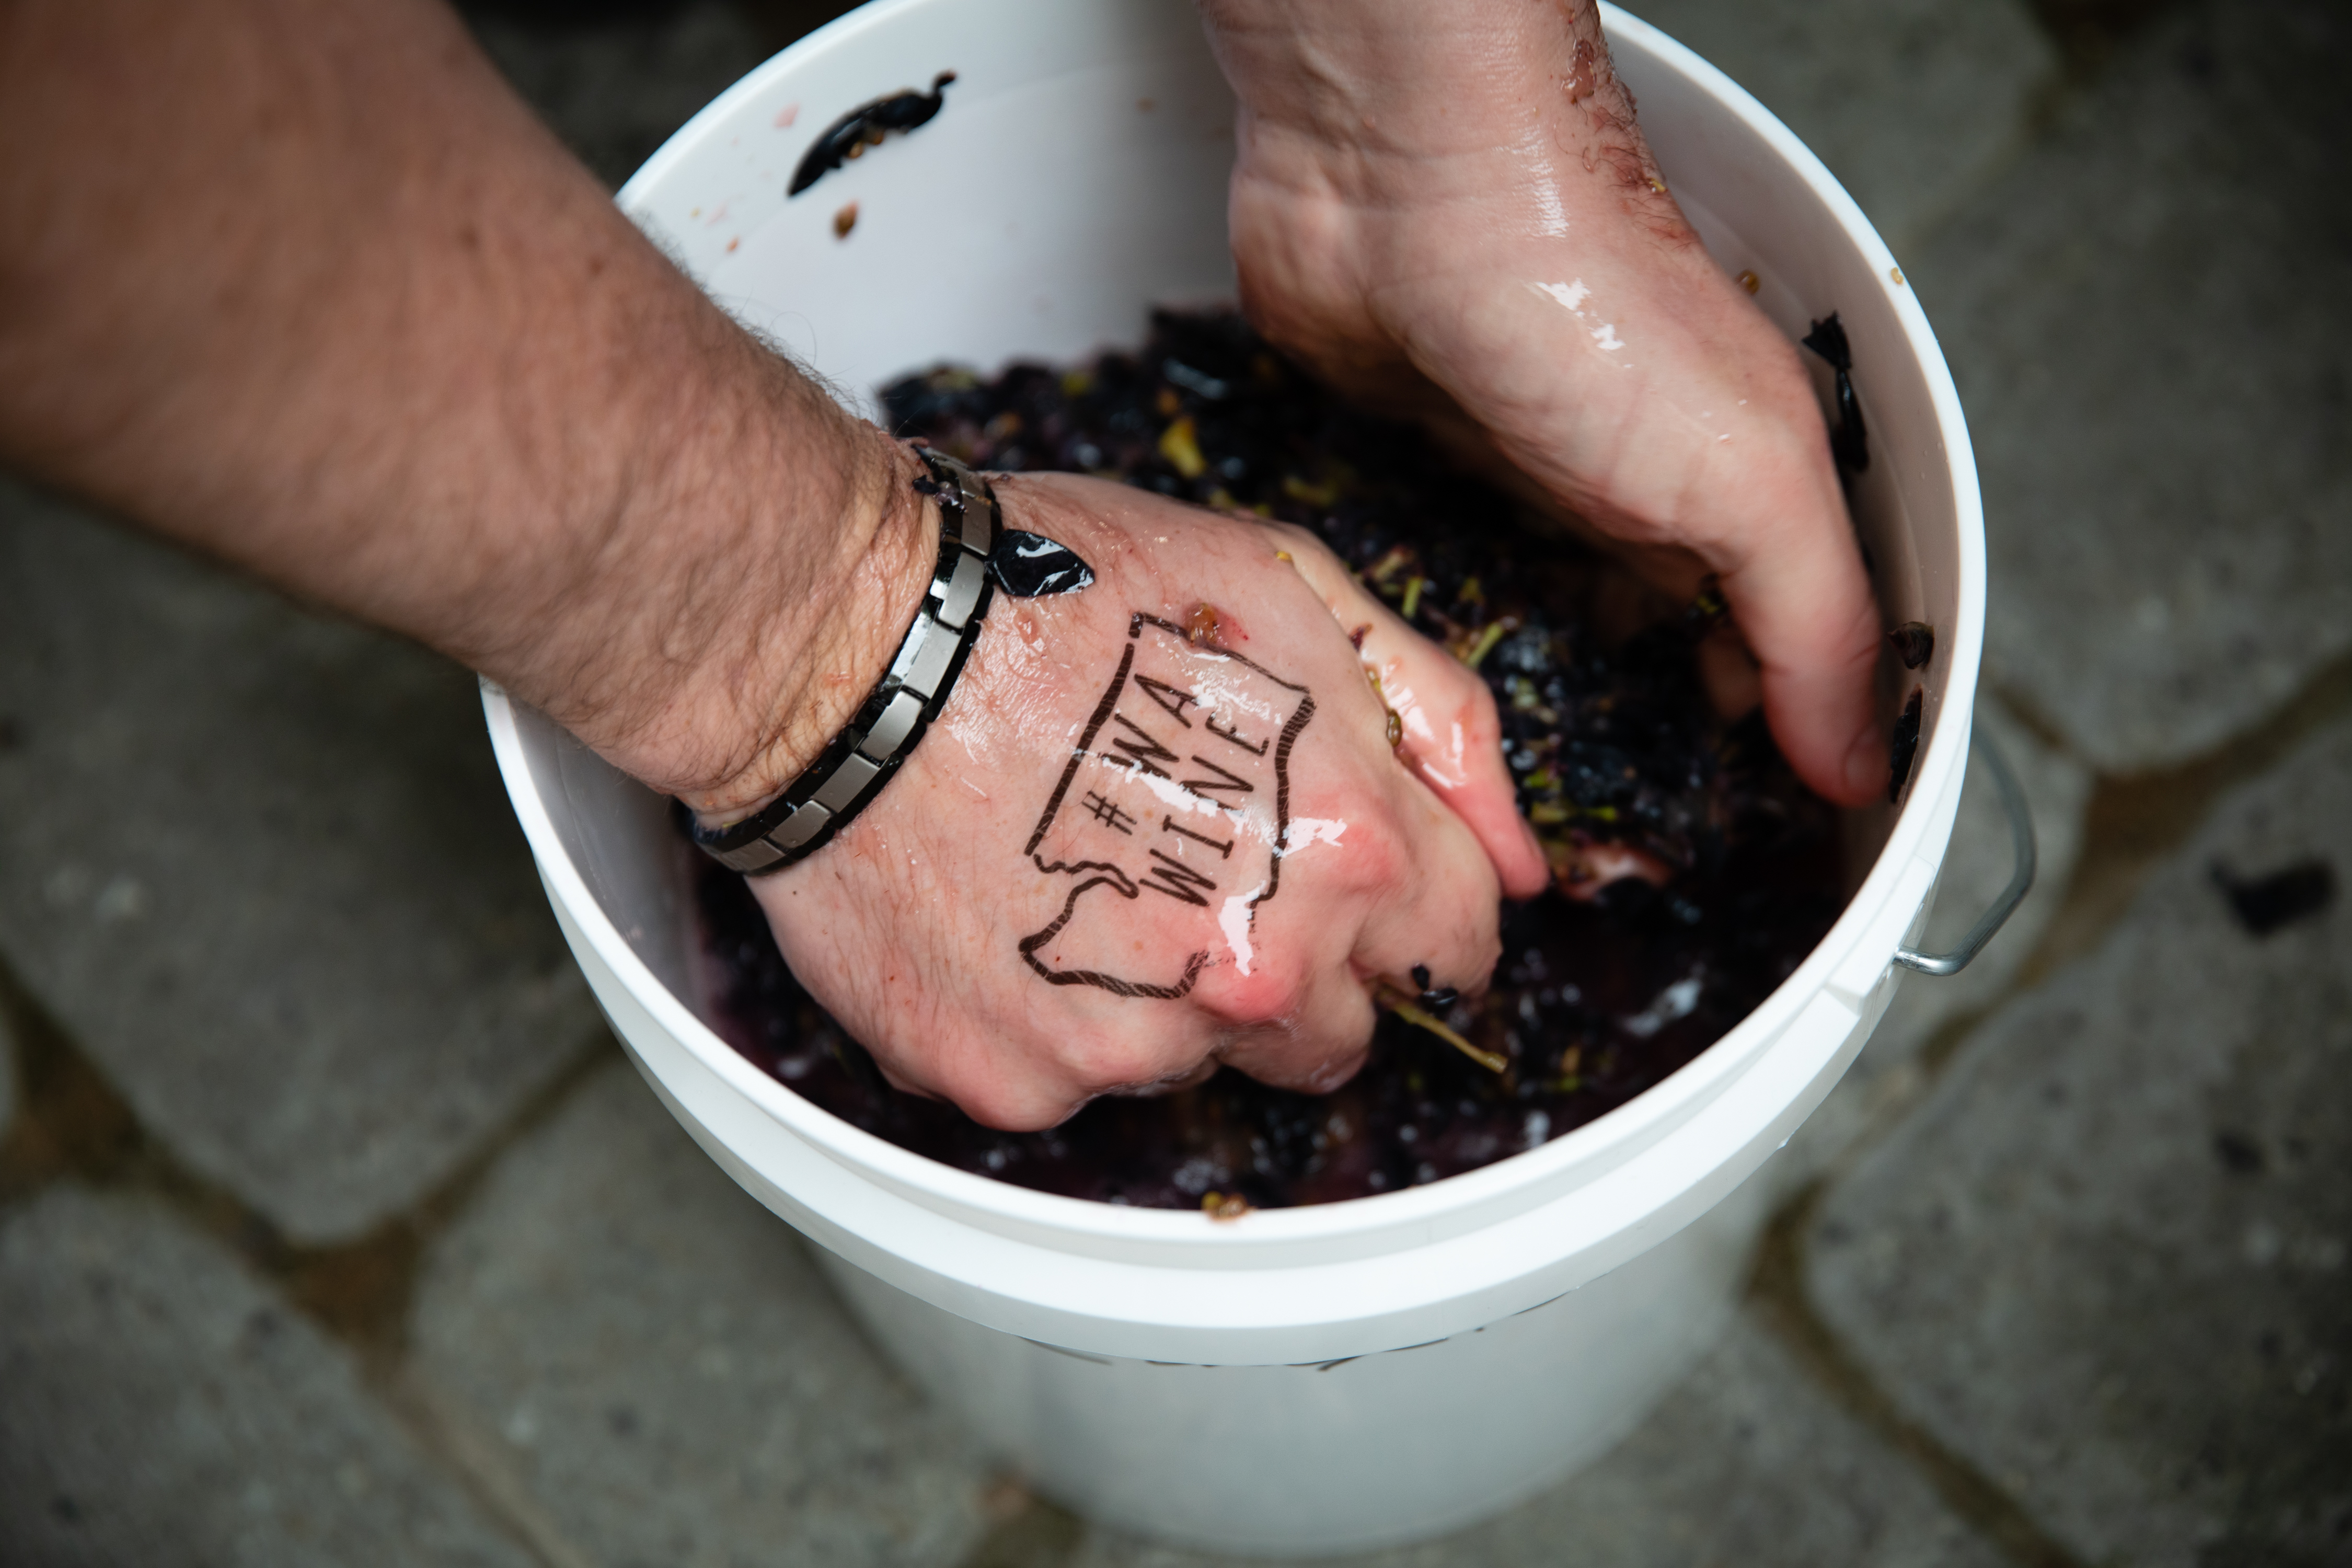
[(333, 1227)]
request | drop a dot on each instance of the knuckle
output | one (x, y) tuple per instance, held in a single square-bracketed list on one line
[(1296, 539), (1481, 719), (1270, 993), (1478, 940), (1010, 1101), (1375, 854), (1117, 1066)]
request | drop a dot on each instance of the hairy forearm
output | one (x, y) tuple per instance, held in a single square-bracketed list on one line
[(301, 283)]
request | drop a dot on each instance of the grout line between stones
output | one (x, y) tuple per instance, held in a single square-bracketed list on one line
[(72, 1124), (1776, 1293), (1029, 1533), (484, 1467), (2135, 822)]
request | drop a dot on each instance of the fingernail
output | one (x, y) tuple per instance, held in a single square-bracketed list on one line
[(1866, 763)]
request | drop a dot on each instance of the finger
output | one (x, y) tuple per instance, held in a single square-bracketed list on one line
[(1442, 913), (1003, 1081), (1454, 743), (1452, 736), (1804, 603), (1318, 1045), (1287, 1008), (1734, 683), (939, 1058), (1422, 896), (1018, 1062), (1097, 1043)]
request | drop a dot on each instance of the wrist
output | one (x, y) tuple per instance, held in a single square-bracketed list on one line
[(758, 569), (1379, 76), (815, 659), (857, 763)]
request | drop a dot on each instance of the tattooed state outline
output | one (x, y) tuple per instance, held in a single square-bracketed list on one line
[(1096, 874)]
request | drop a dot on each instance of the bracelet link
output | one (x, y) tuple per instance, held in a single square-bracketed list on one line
[(801, 826), (890, 731), (922, 662), (964, 591), (847, 781), (856, 765)]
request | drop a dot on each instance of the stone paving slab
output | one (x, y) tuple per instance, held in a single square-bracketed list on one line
[(671, 1379), (1976, 869), (2107, 1260), (1912, 103), (157, 1405), (1746, 1463), (2146, 319), (261, 864)]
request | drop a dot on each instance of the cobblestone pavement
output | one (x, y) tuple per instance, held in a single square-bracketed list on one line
[(315, 959), (333, 1228)]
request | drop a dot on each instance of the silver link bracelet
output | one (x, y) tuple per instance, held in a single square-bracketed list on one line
[(856, 765)]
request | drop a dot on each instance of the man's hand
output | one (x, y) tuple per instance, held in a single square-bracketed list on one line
[(1449, 214), (1160, 826)]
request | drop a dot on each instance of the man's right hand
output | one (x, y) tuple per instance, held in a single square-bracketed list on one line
[(1161, 825)]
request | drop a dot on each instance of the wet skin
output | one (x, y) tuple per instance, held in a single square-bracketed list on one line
[(1450, 213), (1194, 739)]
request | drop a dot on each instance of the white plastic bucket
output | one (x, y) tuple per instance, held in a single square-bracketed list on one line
[(1303, 1380)]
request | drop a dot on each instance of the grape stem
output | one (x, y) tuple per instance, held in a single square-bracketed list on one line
[(1400, 1003)]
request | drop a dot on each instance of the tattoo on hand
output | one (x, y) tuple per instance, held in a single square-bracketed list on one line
[(1185, 796)]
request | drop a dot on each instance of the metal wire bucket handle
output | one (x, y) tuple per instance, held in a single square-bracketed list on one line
[(2020, 835)]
